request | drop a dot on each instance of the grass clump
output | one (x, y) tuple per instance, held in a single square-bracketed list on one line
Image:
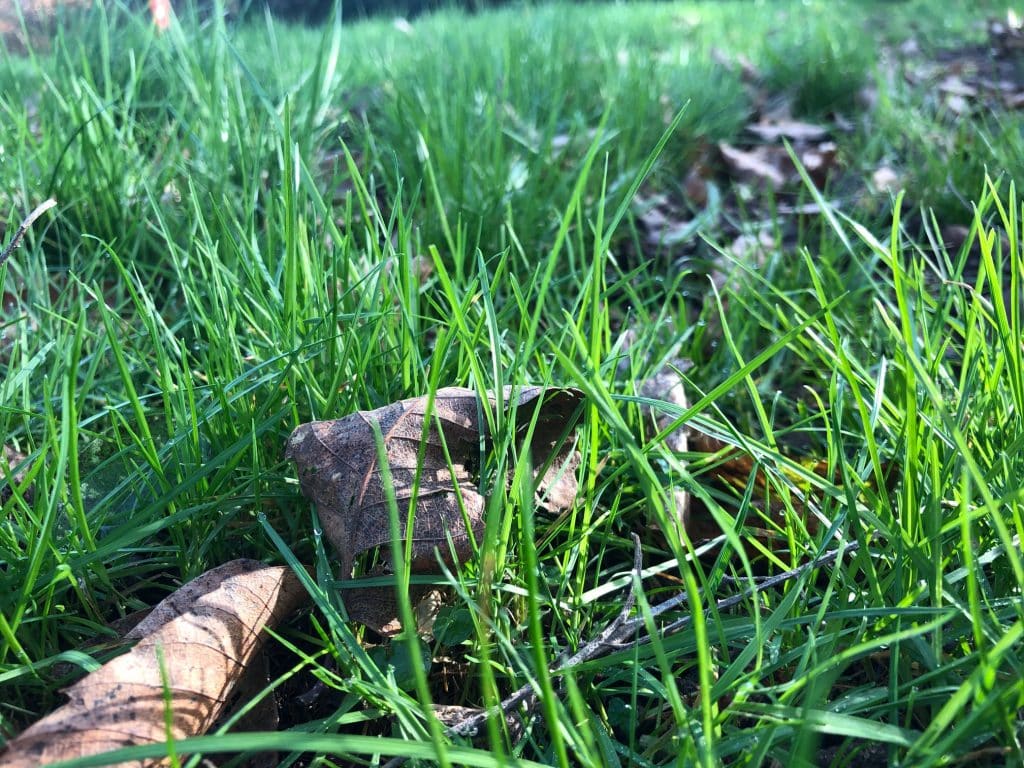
[(247, 241), (821, 67)]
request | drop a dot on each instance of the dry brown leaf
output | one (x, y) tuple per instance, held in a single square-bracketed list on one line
[(729, 467), (725, 466), (749, 74), (819, 161), (695, 185), (957, 104), (339, 471), (754, 164), (192, 650), (885, 179), (662, 221), (955, 86), (12, 459), (1014, 100), (667, 385), (794, 130), (377, 607), (748, 251)]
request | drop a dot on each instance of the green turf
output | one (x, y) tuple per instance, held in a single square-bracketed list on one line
[(259, 225)]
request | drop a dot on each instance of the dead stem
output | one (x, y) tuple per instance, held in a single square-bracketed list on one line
[(23, 228)]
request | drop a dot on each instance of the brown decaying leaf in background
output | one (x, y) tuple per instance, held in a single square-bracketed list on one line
[(339, 472), (666, 384), (19, 233), (207, 633), (12, 459)]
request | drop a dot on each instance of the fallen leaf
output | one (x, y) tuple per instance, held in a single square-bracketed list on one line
[(1014, 100), (957, 104), (885, 179), (750, 249), (728, 467), (954, 86), (192, 650), (377, 607), (909, 47), (695, 184), (756, 163), (819, 161), (663, 222), (666, 385), (666, 221), (794, 130), (339, 471), (12, 459)]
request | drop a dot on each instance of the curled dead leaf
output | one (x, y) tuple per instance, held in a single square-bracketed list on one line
[(759, 163), (667, 385), (885, 179), (663, 222), (192, 650), (954, 86), (819, 161), (794, 130), (434, 458)]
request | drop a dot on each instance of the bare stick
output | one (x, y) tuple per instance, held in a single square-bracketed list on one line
[(615, 636), (762, 584), (23, 228), (525, 699)]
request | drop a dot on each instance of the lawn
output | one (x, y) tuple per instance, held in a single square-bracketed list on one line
[(802, 215)]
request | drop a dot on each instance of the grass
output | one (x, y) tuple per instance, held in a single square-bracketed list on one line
[(259, 225)]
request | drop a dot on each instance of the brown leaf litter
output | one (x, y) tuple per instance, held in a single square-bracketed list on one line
[(12, 460), (981, 76), (191, 652), (434, 458)]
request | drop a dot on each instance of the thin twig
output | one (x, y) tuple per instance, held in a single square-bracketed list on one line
[(23, 228), (616, 636), (638, 568), (525, 699), (526, 696), (762, 584)]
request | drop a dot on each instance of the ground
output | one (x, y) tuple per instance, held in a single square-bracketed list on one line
[(764, 258)]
